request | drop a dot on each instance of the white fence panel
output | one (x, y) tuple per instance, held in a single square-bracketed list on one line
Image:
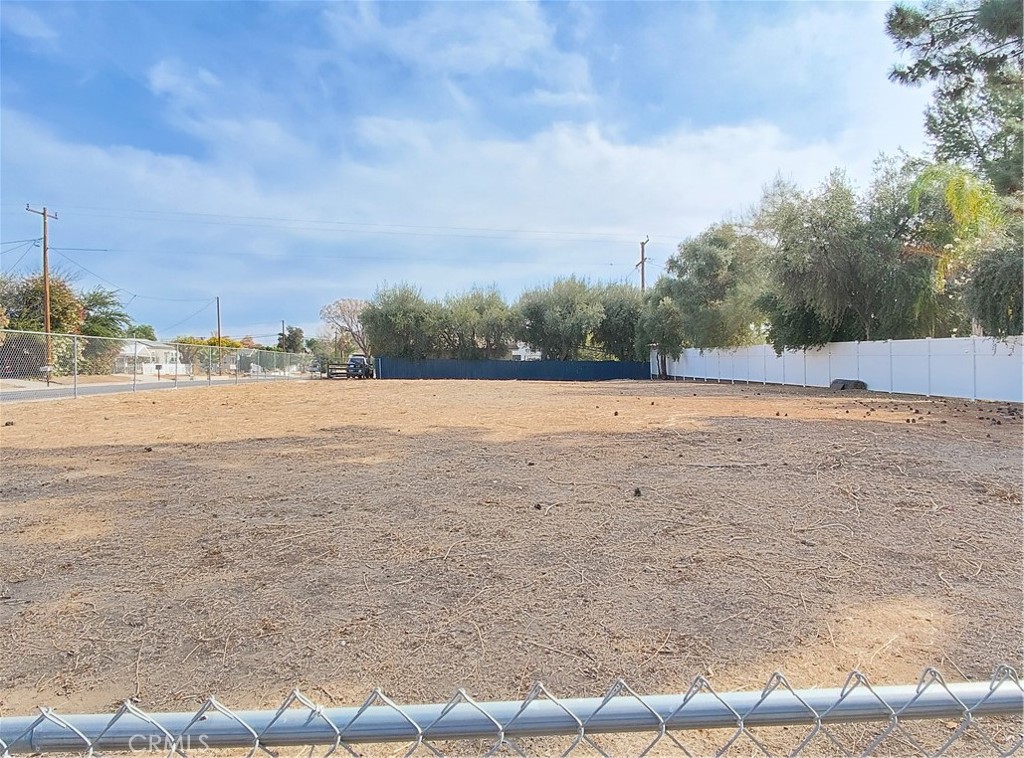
[(845, 360), (999, 369), (776, 367), (910, 366), (756, 364), (818, 363), (875, 366), (971, 367), (952, 367)]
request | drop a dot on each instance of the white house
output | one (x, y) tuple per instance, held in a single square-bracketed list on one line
[(524, 352), (143, 356)]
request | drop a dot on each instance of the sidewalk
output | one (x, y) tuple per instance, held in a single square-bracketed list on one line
[(14, 390)]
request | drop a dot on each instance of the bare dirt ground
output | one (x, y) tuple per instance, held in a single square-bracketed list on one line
[(426, 536)]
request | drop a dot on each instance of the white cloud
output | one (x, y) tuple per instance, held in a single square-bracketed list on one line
[(466, 40), (410, 174), (25, 22), (567, 177), (185, 88)]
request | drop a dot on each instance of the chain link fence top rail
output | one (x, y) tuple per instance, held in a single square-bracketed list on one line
[(36, 365), (933, 717)]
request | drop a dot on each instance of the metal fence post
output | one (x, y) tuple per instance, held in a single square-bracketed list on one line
[(892, 376), (209, 368), (135, 363), (928, 362), (74, 363), (176, 365), (805, 366), (974, 368)]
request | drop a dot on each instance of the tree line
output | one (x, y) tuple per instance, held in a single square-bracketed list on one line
[(925, 250), (99, 313), (566, 320), (930, 248)]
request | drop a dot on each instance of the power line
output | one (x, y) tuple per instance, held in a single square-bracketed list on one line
[(187, 318), (373, 227), (18, 242), (378, 230), (93, 273), (29, 246), (336, 256), (125, 289)]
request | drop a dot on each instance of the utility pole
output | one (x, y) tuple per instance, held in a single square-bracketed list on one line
[(46, 285), (284, 341), (220, 342), (643, 263)]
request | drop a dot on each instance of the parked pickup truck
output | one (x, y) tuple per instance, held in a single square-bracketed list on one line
[(358, 367)]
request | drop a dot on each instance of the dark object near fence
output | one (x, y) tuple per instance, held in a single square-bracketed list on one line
[(358, 368), (550, 371), (847, 384)]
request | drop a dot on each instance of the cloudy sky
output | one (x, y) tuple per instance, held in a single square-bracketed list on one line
[(284, 155)]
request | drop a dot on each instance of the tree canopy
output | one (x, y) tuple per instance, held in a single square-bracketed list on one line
[(22, 299), (97, 312), (399, 323), (103, 315), (974, 53), (617, 331), (291, 340), (342, 319), (558, 319), (715, 279)]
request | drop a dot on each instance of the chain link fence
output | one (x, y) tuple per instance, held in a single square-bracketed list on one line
[(35, 365), (932, 717)]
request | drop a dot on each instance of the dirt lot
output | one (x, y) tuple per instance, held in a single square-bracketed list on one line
[(425, 536)]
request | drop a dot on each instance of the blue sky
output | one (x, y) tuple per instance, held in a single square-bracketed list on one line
[(284, 155)]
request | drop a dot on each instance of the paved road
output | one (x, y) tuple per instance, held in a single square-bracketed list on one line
[(57, 393)]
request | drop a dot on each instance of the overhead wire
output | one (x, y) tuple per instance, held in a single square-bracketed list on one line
[(29, 245), (374, 227), (118, 287), (338, 256), (187, 318)]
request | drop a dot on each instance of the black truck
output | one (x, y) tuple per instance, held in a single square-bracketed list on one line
[(358, 367)]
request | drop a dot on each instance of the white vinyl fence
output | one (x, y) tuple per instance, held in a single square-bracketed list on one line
[(980, 368)]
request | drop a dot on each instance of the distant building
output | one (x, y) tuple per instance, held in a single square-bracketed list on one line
[(524, 352), (143, 357)]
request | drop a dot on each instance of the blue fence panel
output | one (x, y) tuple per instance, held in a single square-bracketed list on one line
[(550, 371)]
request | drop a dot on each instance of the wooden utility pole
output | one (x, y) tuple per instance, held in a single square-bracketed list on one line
[(46, 283), (220, 342), (643, 263)]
